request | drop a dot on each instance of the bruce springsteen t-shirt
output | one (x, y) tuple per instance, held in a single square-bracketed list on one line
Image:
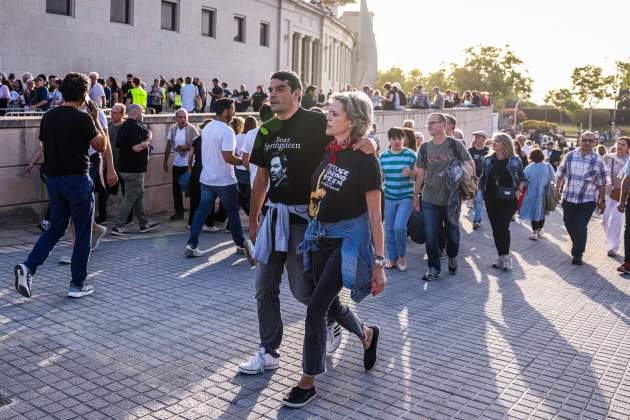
[(291, 150), (338, 189)]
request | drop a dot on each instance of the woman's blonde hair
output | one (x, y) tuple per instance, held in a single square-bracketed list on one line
[(237, 124), (359, 109), (508, 144)]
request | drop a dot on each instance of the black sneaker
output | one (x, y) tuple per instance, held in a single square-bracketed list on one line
[(176, 216), (577, 261), (369, 355), (452, 265), (120, 231), (149, 227), (298, 397), (23, 280)]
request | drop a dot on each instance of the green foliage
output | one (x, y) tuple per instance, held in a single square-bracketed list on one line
[(543, 126), (591, 87), (563, 100), (486, 69)]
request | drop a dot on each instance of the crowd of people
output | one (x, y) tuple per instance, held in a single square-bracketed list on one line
[(326, 200), (39, 93)]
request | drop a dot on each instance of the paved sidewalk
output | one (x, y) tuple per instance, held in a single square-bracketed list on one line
[(163, 336)]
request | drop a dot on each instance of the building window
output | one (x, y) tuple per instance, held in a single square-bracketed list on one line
[(120, 11), (240, 28), (59, 7), (169, 15), (208, 22), (264, 34)]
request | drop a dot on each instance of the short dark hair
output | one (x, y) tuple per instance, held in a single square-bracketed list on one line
[(396, 132), (215, 80), (129, 75), (265, 112), (537, 156), (136, 81), (223, 104), (450, 119), (188, 80), (291, 77), (74, 87)]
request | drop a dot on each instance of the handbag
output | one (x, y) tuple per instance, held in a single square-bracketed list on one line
[(415, 227), (505, 193), (550, 201), (615, 192)]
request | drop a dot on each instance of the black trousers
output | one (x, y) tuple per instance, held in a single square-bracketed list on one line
[(500, 213), (538, 224), (178, 198)]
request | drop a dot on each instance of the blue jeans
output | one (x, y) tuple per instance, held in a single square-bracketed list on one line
[(434, 218), (397, 214), (69, 197), (576, 218), (229, 198), (478, 210)]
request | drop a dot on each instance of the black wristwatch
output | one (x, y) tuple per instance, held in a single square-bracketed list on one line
[(382, 261)]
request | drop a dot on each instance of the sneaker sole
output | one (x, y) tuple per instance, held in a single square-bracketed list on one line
[(256, 372), (300, 405), (76, 295), (120, 233), (21, 288), (148, 229)]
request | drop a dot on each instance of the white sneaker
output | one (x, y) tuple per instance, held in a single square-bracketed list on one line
[(194, 252), (534, 236), (261, 362), (333, 338), (499, 262), (97, 236), (541, 233), (65, 260), (507, 262), (402, 264), (210, 229)]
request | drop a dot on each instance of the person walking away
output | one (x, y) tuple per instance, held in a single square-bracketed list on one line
[(582, 179), (612, 219), (502, 182), (66, 135), (538, 176), (133, 141), (345, 224), (434, 160), (218, 180), (179, 140), (478, 152), (137, 95), (397, 165)]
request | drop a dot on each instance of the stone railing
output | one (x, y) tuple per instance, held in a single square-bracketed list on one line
[(23, 196)]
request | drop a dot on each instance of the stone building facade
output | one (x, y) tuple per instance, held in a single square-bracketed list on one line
[(238, 41)]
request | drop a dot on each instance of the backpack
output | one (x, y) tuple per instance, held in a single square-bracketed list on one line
[(470, 183)]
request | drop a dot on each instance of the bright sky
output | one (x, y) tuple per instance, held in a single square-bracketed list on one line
[(552, 37)]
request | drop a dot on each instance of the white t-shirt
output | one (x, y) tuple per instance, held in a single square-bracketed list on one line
[(248, 146), (240, 142), (179, 158), (527, 149), (189, 93), (216, 138), (96, 93), (103, 120)]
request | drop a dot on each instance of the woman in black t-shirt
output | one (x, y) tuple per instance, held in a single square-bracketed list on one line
[(345, 204), (501, 183), (258, 98)]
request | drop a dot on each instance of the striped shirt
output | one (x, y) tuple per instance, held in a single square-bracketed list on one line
[(397, 186)]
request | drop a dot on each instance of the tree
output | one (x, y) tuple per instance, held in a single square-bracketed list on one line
[(495, 70), (563, 100), (591, 87), (437, 78), (395, 74), (622, 85)]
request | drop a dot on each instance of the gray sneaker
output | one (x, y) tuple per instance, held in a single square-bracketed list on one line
[(452, 265), (148, 227), (97, 236), (499, 263), (23, 280), (75, 292), (431, 275), (507, 263)]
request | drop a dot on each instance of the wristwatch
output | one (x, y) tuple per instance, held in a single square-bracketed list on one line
[(382, 261)]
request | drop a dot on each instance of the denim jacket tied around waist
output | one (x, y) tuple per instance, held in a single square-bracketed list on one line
[(357, 252)]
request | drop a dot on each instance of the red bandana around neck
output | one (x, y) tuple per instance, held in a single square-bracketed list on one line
[(335, 148)]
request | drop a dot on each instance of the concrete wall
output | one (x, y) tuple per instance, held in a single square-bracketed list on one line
[(40, 42), (23, 197)]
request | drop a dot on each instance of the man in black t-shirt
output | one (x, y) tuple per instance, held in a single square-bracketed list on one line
[(287, 150), (216, 93), (66, 135), (133, 141), (478, 151)]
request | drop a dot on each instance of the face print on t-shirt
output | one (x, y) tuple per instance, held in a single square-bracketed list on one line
[(278, 171)]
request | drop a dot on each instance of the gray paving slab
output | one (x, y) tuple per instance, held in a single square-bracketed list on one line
[(163, 335)]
